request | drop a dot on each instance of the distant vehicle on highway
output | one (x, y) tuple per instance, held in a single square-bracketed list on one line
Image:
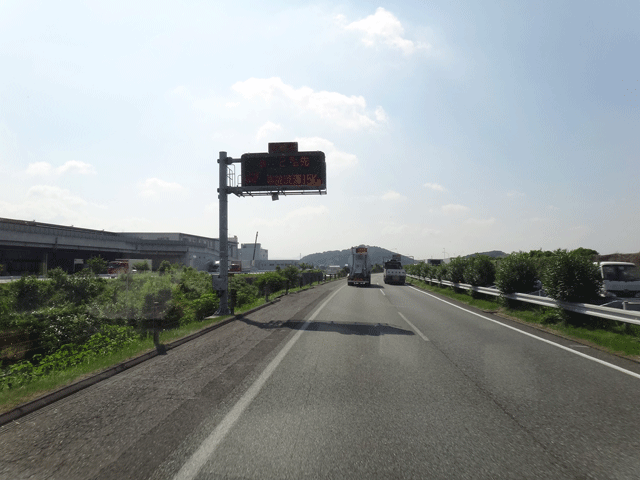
[(393, 271), (620, 279), (359, 267), (126, 265)]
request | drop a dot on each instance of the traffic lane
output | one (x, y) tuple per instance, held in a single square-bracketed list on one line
[(584, 410), (124, 427), (372, 405)]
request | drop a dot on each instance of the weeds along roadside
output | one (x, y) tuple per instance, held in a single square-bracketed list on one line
[(71, 326), (614, 337)]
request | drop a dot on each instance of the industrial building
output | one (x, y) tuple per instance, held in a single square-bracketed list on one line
[(254, 257), (34, 247)]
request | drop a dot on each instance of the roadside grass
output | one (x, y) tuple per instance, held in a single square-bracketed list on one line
[(618, 338), (11, 398)]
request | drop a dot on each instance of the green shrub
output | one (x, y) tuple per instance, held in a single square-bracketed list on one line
[(516, 273), (245, 293), (31, 293), (141, 266), (165, 266), (205, 306), (97, 265), (194, 284), (109, 339), (292, 275), (571, 278), (425, 270), (455, 270), (441, 272), (273, 280), (479, 271)]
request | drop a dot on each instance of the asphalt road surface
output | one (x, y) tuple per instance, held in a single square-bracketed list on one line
[(347, 382)]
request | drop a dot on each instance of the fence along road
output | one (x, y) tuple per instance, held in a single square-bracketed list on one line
[(380, 382), (626, 316)]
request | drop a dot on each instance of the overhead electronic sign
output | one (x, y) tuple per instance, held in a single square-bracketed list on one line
[(284, 171)]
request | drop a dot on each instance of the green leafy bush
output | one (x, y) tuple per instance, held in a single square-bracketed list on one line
[(479, 271), (425, 270), (165, 266), (292, 275), (194, 284), (571, 278), (245, 292), (455, 270), (97, 265), (516, 273), (141, 266), (273, 280), (109, 339), (31, 293), (441, 272)]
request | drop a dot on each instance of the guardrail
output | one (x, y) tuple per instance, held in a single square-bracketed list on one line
[(609, 313)]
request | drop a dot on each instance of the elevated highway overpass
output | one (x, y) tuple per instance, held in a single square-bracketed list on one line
[(35, 247)]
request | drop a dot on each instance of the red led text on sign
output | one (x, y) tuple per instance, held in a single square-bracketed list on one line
[(285, 171)]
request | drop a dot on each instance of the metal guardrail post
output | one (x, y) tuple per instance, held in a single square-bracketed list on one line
[(617, 314)]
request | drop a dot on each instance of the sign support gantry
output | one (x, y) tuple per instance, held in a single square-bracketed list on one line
[(281, 171)]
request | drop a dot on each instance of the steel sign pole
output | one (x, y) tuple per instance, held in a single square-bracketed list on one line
[(224, 238)]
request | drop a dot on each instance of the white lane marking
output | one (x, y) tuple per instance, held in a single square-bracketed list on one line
[(597, 360), (191, 468), (382, 292), (415, 329)]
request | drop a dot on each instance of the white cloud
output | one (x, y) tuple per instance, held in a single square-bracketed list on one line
[(393, 196), (436, 187), (73, 166), (337, 161), (552, 207), (51, 204), (345, 111), (77, 167), (482, 222), (384, 27), (453, 208), (294, 216), (39, 168), (267, 129), (55, 194), (515, 193), (153, 187)]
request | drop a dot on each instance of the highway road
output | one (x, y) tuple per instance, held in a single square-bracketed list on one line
[(347, 382)]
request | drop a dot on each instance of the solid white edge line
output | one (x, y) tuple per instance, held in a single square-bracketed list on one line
[(415, 329), (597, 360), (208, 447)]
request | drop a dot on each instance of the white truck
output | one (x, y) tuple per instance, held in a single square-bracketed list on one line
[(393, 271), (359, 267), (620, 279)]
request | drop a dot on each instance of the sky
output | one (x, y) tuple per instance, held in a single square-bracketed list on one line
[(449, 127)]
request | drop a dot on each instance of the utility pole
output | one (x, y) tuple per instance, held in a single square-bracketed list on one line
[(223, 285)]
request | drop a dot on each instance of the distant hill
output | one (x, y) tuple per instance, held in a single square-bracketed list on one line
[(377, 255), (492, 254)]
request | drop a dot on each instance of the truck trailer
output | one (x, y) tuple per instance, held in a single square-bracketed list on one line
[(393, 271), (359, 267)]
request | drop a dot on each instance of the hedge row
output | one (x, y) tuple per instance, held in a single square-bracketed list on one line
[(567, 276)]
